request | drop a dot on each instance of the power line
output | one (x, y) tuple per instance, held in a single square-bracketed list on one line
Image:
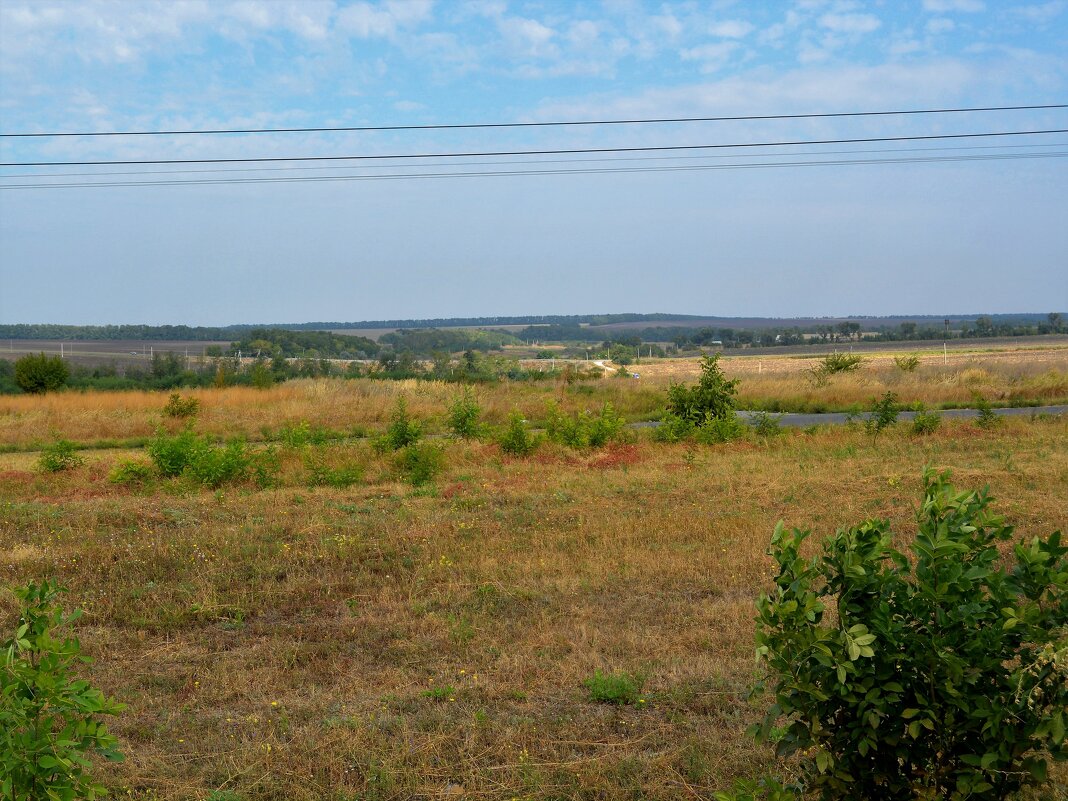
[(614, 160), (565, 151), (650, 121), (582, 171)]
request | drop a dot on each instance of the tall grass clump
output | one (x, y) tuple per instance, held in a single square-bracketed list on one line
[(180, 407)]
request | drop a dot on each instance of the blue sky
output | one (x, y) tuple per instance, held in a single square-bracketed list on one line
[(975, 236)]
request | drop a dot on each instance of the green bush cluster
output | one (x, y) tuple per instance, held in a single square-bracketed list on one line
[(907, 363), (584, 430), (58, 456), (940, 676), (463, 416), (49, 721), (402, 431), (515, 438), (181, 407), (883, 415), (926, 422), (197, 457), (420, 462)]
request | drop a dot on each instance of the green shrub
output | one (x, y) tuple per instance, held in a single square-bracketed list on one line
[(515, 439), (943, 676), (883, 415), (719, 429), (907, 364), (926, 422), (297, 435), (172, 454), (180, 407), (58, 456), (421, 462), (766, 425), (402, 430), (987, 418), (673, 428), (712, 396), (584, 430), (841, 363), (186, 453), (214, 465), (36, 373), (615, 688), (131, 472), (49, 721), (463, 416)]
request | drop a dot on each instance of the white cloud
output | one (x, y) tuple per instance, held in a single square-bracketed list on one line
[(940, 25), (1040, 14), (711, 56), (367, 20), (943, 6), (731, 29), (850, 23), (527, 37)]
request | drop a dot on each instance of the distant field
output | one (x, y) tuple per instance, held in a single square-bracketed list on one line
[(127, 352)]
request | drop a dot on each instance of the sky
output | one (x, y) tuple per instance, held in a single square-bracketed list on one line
[(586, 233)]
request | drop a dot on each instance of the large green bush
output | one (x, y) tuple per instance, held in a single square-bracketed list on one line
[(49, 721), (940, 677), (712, 396), (38, 373)]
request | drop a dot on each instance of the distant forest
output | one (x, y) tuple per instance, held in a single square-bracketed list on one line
[(424, 338)]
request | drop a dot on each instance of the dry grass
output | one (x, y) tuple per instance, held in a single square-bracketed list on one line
[(278, 644), (776, 384)]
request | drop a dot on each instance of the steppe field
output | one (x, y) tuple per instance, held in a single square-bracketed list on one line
[(330, 628)]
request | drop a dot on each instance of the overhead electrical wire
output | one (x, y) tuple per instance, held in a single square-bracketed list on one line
[(582, 171), (553, 152), (619, 159), (483, 125)]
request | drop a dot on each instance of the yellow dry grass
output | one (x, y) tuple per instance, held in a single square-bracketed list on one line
[(280, 644)]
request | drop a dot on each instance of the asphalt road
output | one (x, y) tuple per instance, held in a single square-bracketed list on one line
[(839, 418)]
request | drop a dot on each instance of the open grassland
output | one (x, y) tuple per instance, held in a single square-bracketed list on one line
[(1019, 377), (390, 642)]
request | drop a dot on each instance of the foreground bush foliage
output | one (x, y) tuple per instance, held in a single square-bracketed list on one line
[(58, 456), (49, 721), (945, 677), (584, 430)]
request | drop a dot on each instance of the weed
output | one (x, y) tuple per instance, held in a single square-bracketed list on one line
[(584, 430), (463, 416), (180, 407), (516, 439), (987, 418), (907, 363), (719, 429), (926, 422), (420, 463), (320, 474), (883, 415), (58, 456), (131, 472), (402, 430), (444, 693), (766, 425), (615, 688)]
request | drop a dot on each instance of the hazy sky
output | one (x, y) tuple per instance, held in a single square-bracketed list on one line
[(977, 235)]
